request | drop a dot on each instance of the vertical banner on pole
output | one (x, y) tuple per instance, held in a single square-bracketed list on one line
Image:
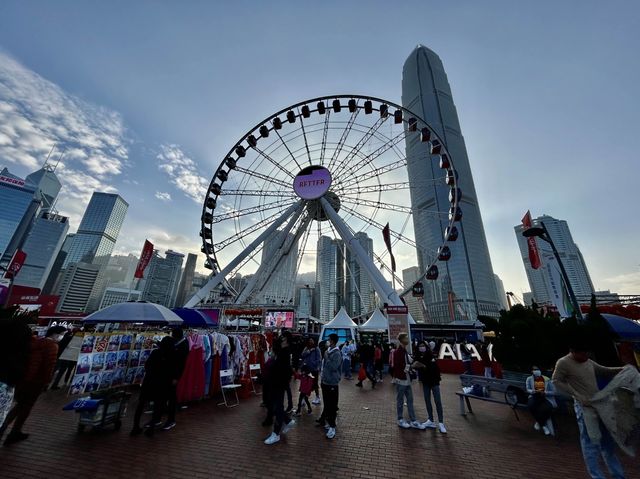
[(398, 319)]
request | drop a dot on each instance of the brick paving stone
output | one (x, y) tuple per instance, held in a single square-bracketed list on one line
[(212, 441)]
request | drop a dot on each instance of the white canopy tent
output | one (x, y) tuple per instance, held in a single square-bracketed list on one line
[(377, 322), (342, 325)]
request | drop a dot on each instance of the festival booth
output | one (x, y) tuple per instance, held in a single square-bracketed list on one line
[(627, 342), (342, 325), (116, 345), (375, 328)]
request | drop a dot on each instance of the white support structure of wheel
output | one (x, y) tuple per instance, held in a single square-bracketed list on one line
[(331, 167)]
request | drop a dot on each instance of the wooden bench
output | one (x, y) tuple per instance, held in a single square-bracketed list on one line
[(506, 387)]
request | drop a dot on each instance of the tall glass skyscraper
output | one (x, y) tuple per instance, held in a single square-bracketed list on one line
[(330, 277), (466, 286), (96, 237), (42, 246), (541, 280), (18, 207), (359, 290), (162, 278)]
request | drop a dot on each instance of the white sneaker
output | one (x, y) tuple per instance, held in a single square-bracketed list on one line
[(546, 430), (316, 401), (331, 433), (326, 427), (443, 429), (429, 424), (536, 426), (404, 424), (418, 425), (550, 427), (287, 427), (272, 439)]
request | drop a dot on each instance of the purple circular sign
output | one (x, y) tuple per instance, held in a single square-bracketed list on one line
[(312, 182)]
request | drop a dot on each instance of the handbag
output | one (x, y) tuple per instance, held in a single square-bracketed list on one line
[(362, 374)]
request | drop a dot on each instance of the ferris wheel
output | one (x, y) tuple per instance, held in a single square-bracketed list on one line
[(332, 167)]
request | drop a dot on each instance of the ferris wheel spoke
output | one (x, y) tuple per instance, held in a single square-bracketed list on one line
[(343, 138), (259, 193), (239, 235), (251, 210), (284, 143), (344, 165), (377, 225), (257, 174), (304, 135), (325, 132), (396, 165), (273, 162), (376, 204)]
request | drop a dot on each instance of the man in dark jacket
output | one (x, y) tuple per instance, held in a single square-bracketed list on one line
[(158, 375), (279, 378), (43, 355), (179, 360)]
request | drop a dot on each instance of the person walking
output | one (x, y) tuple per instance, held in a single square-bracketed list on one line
[(575, 374), (43, 353), (378, 362), (346, 360), (366, 357), (486, 360), (429, 375), (331, 367), (401, 374), (306, 386), (279, 378), (465, 352), (159, 373), (15, 343), (67, 360), (178, 363), (311, 359), (541, 400)]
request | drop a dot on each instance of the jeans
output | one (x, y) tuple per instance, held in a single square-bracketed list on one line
[(159, 399), (172, 405), (488, 372), (277, 406), (289, 397), (403, 392), (346, 368), (592, 452), (330, 409), (65, 368), (428, 391)]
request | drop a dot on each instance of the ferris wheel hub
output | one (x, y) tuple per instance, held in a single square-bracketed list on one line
[(312, 182), (317, 212)]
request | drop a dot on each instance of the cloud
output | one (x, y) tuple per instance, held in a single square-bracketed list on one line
[(35, 114), (626, 283), (163, 196), (182, 172)]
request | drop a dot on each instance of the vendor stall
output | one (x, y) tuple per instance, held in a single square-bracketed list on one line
[(342, 325)]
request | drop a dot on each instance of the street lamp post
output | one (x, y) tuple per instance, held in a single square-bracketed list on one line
[(542, 233)]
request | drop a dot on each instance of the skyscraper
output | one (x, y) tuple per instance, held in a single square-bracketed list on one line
[(280, 287), (541, 281), (54, 275), (42, 246), (187, 279), (466, 279), (502, 295), (18, 207), (75, 287), (329, 277), (360, 294), (162, 277), (96, 237)]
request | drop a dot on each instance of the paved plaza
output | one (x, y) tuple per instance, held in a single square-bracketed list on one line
[(212, 441)]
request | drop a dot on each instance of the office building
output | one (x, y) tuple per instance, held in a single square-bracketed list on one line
[(47, 184), (330, 277), (120, 270), (75, 286), (42, 245), (162, 277), (304, 302), (466, 280), (543, 280), (186, 281), (18, 207), (502, 294), (114, 295), (360, 295), (279, 253), (96, 237), (54, 275), (415, 304)]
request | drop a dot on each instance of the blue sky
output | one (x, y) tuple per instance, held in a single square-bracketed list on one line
[(148, 97)]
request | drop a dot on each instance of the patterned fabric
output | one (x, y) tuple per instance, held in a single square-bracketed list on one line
[(6, 399)]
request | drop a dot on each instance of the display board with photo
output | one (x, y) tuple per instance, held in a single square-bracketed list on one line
[(110, 359)]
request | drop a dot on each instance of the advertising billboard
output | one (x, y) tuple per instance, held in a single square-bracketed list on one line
[(278, 319)]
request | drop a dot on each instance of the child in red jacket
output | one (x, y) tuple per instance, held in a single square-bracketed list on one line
[(306, 386)]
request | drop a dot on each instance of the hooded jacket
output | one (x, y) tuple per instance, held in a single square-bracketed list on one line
[(332, 367)]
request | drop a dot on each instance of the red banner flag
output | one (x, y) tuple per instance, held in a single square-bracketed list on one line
[(386, 234), (15, 266), (534, 256), (145, 257)]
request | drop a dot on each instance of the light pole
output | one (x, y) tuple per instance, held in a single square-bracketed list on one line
[(542, 233)]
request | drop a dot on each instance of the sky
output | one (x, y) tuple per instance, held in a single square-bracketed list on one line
[(147, 97)]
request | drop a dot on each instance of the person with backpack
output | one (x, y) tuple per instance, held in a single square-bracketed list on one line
[(541, 401), (279, 378), (311, 359), (402, 375), (331, 368)]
